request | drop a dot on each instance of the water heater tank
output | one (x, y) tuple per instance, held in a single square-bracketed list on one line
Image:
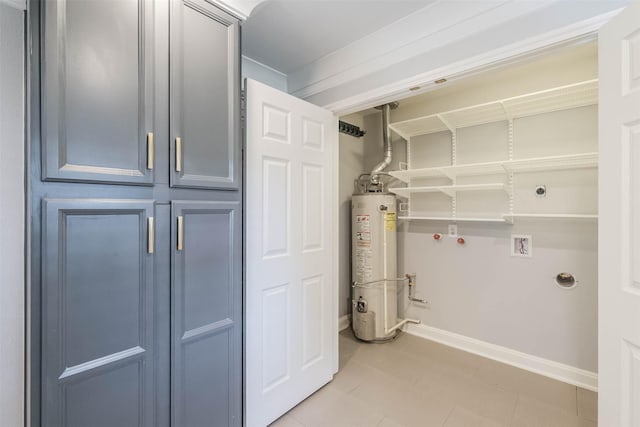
[(373, 249)]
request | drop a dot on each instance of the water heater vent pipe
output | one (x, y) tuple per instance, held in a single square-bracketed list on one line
[(386, 138)]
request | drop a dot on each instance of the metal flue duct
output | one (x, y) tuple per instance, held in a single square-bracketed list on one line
[(386, 137)]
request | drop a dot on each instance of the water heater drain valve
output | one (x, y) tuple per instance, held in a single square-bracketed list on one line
[(361, 305)]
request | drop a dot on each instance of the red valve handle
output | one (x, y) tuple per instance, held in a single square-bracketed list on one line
[(437, 236), (461, 240)]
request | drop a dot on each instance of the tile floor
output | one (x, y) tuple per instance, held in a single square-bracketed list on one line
[(414, 382)]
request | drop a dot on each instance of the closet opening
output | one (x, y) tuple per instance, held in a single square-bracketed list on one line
[(495, 176)]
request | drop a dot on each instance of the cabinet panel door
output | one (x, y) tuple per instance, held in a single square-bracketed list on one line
[(97, 100), (98, 357), (207, 309), (204, 96)]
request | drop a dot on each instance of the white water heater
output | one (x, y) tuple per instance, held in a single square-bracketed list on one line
[(373, 249)]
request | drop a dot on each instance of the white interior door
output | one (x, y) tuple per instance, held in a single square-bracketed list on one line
[(619, 230), (291, 256)]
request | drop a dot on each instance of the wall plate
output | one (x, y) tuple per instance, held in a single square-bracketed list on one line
[(521, 245)]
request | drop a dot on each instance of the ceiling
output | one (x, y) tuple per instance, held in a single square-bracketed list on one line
[(288, 34), (575, 61)]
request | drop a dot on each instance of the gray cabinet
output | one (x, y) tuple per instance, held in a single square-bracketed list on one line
[(121, 335), (98, 367), (207, 306), (97, 91), (205, 96)]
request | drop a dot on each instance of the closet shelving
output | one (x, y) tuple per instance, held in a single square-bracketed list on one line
[(545, 101), (451, 219), (511, 217), (449, 190), (572, 161), (556, 99)]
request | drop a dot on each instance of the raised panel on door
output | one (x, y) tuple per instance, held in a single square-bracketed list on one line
[(207, 314), (98, 349), (97, 91), (205, 94)]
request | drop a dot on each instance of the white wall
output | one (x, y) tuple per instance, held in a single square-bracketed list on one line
[(12, 284), (257, 71), (479, 290)]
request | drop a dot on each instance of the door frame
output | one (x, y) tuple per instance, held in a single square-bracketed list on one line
[(14, 212), (574, 35)]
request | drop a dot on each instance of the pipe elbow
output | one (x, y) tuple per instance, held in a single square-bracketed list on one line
[(380, 167)]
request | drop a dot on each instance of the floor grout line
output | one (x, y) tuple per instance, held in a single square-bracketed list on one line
[(513, 413), (455, 405), (384, 417)]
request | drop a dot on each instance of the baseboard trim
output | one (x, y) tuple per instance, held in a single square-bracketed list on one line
[(535, 364), (344, 322)]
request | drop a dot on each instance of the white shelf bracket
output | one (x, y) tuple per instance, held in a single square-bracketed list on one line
[(450, 193), (446, 123), (506, 111), (450, 175), (400, 133)]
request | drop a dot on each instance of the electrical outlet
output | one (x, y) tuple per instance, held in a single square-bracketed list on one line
[(453, 230)]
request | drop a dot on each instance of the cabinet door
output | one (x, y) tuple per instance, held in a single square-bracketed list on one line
[(204, 96), (207, 308), (97, 100), (98, 350)]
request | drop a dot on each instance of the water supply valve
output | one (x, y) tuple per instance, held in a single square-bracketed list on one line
[(411, 278), (437, 236), (412, 283)]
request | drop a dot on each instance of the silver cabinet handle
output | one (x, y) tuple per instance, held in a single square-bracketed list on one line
[(150, 150), (180, 232), (178, 154), (151, 235)]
